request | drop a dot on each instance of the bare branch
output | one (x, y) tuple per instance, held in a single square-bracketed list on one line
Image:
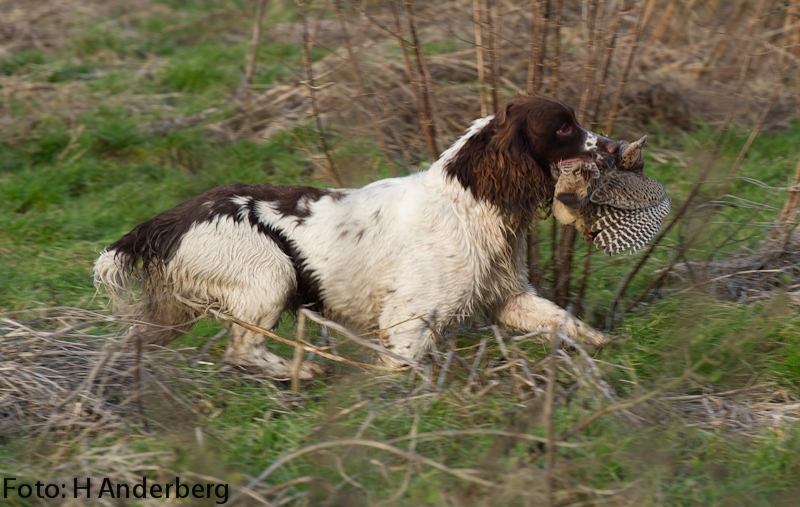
[(533, 45), (254, 45), (557, 55), (426, 83), (464, 474), (644, 17), (298, 352), (363, 89), (308, 44), (477, 22)]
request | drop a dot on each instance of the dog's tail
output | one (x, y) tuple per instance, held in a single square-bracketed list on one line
[(142, 254), (115, 272)]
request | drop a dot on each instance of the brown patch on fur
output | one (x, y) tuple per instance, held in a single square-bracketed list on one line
[(155, 241), (508, 162)]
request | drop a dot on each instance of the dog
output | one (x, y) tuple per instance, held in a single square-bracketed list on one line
[(402, 257)]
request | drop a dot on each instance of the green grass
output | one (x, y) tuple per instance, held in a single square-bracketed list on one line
[(74, 184)]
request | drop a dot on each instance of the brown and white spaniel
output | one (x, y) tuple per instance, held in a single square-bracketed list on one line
[(402, 257)]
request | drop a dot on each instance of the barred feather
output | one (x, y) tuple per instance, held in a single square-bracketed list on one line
[(619, 206), (620, 229), (628, 190)]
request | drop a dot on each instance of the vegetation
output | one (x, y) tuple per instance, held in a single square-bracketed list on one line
[(120, 112)]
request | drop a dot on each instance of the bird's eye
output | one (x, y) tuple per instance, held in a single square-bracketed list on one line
[(565, 130)]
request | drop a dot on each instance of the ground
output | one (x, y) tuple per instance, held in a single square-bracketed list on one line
[(112, 112)]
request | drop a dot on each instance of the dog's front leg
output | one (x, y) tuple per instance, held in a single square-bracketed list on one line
[(528, 312)]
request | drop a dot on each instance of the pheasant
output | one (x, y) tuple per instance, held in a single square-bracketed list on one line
[(619, 208)]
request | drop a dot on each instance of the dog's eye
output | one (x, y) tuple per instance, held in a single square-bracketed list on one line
[(565, 130)]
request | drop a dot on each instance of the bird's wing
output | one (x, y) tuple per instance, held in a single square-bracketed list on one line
[(628, 191), (620, 229)]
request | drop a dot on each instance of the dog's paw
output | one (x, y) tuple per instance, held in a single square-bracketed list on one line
[(275, 367), (310, 370), (591, 337)]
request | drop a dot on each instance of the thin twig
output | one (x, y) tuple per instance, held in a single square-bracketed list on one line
[(591, 66), (776, 88), (644, 17), (336, 417), (412, 445), (306, 347), (620, 406), (557, 52), (445, 368), (736, 166), (500, 342), (464, 474), (587, 269), (563, 265), (250, 69), (254, 45), (552, 261), (298, 352), (139, 380), (363, 88), (534, 254), (544, 20), (477, 22), (789, 210), (610, 50), (425, 83), (209, 343), (473, 372), (354, 337), (528, 374), (416, 84), (493, 19), (308, 44), (723, 277), (472, 432), (533, 45), (549, 411)]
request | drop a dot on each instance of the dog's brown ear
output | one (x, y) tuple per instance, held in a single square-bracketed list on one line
[(498, 163), (526, 183), (505, 128)]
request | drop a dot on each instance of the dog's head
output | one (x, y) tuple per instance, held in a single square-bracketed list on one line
[(509, 161)]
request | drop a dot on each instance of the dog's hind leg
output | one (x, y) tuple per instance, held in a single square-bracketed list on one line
[(163, 321), (161, 316), (260, 299), (235, 268), (247, 348)]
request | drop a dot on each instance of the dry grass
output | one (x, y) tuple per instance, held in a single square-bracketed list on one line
[(73, 375), (63, 372), (747, 411), (749, 278), (673, 79), (672, 84), (65, 376)]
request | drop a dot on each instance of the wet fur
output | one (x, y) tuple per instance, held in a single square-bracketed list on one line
[(404, 257)]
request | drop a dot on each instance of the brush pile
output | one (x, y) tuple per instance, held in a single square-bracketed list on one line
[(63, 371), (749, 278), (747, 411)]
